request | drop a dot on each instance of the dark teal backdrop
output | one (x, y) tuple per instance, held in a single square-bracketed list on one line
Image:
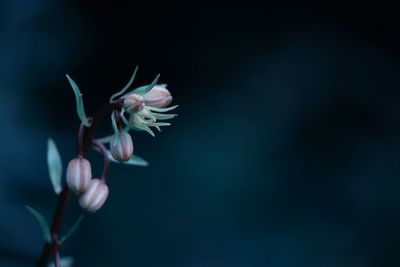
[(285, 152)]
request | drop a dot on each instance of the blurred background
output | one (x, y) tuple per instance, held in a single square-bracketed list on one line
[(285, 151)]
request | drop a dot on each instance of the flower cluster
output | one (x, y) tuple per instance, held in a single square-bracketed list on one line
[(145, 110), (148, 110), (140, 110)]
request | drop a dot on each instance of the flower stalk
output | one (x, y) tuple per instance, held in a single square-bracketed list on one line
[(145, 107), (85, 140)]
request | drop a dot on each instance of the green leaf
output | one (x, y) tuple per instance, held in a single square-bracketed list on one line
[(42, 222), (79, 102), (105, 139), (160, 116), (126, 86), (134, 160), (72, 230), (137, 161), (65, 262), (144, 89), (55, 165)]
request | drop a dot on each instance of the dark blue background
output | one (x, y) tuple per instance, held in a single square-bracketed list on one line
[(285, 151)]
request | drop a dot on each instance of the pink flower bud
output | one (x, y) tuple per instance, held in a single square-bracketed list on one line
[(133, 103), (122, 150), (95, 196), (79, 174), (158, 97)]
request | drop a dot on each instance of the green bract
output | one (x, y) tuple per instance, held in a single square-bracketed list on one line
[(144, 89), (79, 102), (42, 222), (126, 86), (134, 160), (54, 164), (72, 230)]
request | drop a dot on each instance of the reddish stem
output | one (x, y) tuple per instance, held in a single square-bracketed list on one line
[(56, 252), (81, 132), (58, 219), (106, 165), (88, 138)]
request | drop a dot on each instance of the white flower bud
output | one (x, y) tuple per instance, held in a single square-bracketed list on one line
[(133, 103), (122, 150), (79, 174), (158, 97), (95, 196)]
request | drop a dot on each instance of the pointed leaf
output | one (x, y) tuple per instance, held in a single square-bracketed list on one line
[(54, 164), (42, 222), (134, 160), (137, 161), (144, 89), (79, 102), (72, 230), (126, 86), (162, 109), (105, 139), (160, 116), (65, 262)]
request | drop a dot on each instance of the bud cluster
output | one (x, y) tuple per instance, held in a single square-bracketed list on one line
[(148, 110), (93, 192), (145, 110)]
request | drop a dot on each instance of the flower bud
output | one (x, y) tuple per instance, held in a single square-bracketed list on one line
[(158, 97), (122, 150), (95, 196), (133, 103), (79, 174)]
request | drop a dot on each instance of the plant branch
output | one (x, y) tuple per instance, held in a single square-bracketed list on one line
[(88, 138), (85, 140)]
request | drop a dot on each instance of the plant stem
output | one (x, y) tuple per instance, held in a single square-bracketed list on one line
[(57, 258), (106, 164), (85, 140), (88, 138), (58, 219), (81, 132)]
